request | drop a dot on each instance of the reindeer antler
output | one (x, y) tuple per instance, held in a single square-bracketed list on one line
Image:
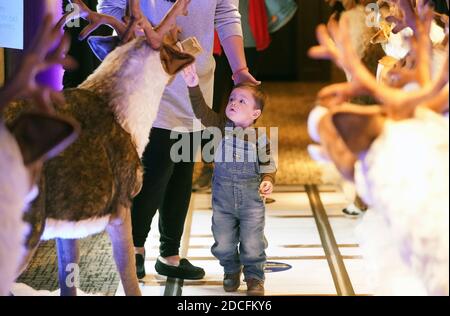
[(95, 20), (409, 13), (403, 15), (136, 21), (154, 35), (48, 48), (335, 44)]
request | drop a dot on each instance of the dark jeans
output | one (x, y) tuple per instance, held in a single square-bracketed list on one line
[(167, 187)]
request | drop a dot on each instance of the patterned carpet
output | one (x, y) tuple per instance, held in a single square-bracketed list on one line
[(288, 108), (97, 269)]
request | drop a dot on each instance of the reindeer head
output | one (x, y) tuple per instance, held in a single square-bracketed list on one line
[(348, 132), (37, 136), (399, 149), (154, 39), (133, 77)]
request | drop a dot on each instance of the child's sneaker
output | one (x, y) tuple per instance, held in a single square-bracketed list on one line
[(231, 281), (255, 287)]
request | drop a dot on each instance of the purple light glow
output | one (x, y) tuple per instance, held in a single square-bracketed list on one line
[(34, 14)]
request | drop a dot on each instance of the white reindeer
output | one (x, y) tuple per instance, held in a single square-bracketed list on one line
[(401, 149)]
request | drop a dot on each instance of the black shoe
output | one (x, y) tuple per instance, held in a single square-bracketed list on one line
[(231, 281), (140, 267), (185, 270), (352, 211)]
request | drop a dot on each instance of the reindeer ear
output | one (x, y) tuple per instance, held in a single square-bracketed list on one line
[(43, 136), (173, 60), (103, 45), (358, 126)]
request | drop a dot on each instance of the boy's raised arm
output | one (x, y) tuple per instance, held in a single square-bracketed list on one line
[(202, 111)]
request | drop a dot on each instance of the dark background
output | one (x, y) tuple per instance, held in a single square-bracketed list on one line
[(285, 60)]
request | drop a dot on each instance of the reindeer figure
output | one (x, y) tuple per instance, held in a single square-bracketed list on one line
[(402, 152), (89, 188), (395, 28), (35, 137)]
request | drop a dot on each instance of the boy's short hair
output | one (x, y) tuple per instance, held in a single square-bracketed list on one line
[(259, 95)]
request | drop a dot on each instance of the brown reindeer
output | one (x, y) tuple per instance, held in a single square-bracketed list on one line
[(89, 188), (35, 137), (402, 152)]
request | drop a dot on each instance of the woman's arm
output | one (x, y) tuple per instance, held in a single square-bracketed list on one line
[(234, 49), (228, 25)]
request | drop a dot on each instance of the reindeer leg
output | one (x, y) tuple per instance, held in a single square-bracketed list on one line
[(119, 230), (68, 272)]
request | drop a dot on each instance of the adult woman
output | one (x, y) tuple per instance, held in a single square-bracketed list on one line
[(167, 184)]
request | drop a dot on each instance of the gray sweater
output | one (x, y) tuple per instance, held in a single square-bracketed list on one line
[(175, 112)]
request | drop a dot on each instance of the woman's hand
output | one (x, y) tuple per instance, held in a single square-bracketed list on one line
[(245, 76), (190, 76), (266, 188)]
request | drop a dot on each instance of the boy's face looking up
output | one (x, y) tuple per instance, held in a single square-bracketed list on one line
[(242, 109)]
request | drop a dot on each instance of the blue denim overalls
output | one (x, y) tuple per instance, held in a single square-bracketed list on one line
[(238, 209)]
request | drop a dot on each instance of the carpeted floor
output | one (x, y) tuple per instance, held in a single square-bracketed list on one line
[(287, 109), (97, 269)]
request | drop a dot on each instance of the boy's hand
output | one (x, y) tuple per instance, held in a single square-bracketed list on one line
[(266, 188), (190, 76)]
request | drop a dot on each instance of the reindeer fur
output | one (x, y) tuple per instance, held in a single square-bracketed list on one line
[(101, 172)]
